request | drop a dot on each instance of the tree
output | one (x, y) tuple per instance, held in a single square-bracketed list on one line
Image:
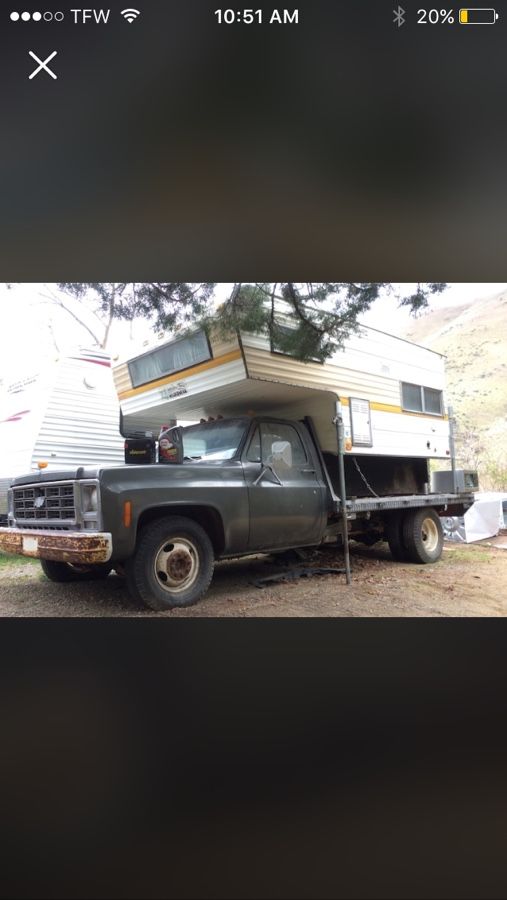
[(167, 305), (495, 471), (93, 312), (469, 445), (308, 320)]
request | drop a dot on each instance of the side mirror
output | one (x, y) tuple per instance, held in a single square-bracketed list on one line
[(170, 446), (281, 452)]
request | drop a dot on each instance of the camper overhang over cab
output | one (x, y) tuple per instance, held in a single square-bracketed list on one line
[(390, 392)]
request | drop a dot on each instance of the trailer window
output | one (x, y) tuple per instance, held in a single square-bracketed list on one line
[(280, 342), (432, 401), (417, 398), (172, 357)]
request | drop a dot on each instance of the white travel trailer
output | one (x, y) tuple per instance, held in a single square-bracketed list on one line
[(389, 392), (64, 415)]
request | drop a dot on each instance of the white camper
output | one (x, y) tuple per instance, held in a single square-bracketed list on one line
[(390, 391), (66, 414)]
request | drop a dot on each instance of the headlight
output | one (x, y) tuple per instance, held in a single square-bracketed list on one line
[(89, 498)]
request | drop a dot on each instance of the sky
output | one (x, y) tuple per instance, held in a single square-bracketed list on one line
[(33, 329)]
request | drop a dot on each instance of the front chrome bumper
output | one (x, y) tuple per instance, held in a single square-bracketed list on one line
[(78, 547)]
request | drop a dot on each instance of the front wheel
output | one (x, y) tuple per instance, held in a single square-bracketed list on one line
[(423, 536), (172, 565)]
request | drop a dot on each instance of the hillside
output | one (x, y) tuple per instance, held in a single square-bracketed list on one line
[(473, 337)]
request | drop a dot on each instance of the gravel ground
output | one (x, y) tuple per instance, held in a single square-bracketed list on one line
[(468, 581)]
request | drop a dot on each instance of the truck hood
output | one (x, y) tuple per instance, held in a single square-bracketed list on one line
[(42, 476), (187, 469)]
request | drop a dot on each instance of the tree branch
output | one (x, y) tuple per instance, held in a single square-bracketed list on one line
[(57, 302)]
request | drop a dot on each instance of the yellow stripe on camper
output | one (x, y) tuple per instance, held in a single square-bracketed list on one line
[(391, 408), (185, 373)]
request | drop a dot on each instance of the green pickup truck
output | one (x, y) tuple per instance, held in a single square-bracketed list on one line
[(221, 489)]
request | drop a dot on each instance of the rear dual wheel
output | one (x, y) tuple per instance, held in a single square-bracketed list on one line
[(393, 534), (423, 535), (415, 536)]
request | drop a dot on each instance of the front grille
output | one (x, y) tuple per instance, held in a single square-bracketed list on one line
[(45, 502)]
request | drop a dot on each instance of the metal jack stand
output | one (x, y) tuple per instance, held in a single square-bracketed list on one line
[(338, 421), (452, 447)]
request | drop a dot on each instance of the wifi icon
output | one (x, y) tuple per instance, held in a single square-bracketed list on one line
[(130, 14)]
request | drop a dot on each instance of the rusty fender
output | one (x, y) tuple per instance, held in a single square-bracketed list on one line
[(61, 546)]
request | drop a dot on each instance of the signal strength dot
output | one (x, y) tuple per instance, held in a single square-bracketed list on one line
[(130, 14)]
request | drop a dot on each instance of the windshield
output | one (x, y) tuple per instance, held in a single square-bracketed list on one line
[(213, 440)]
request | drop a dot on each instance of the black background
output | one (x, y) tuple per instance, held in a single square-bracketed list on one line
[(226, 758)]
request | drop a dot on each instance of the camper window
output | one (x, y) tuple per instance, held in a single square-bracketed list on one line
[(417, 398), (432, 401), (172, 357), (282, 336)]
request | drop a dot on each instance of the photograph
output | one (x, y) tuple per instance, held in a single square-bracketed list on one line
[(253, 535), (254, 449)]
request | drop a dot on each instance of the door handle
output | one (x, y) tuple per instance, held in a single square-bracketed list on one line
[(308, 471)]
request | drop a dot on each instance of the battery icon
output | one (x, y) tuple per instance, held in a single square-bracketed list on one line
[(477, 16)]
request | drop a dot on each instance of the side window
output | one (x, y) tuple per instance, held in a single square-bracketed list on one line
[(417, 398), (275, 437), (411, 397), (432, 401)]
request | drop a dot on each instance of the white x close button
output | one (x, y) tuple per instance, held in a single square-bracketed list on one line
[(43, 66)]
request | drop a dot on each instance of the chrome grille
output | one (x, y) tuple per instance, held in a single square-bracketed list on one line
[(44, 502)]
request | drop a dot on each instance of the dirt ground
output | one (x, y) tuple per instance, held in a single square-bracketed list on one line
[(469, 580)]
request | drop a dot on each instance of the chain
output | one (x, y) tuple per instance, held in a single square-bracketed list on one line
[(364, 479)]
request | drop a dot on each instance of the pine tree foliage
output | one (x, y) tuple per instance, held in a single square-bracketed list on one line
[(308, 320)]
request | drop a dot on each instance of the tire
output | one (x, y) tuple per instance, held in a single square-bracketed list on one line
[(62, 572), (423, 535), (173, 564), (393, 532)]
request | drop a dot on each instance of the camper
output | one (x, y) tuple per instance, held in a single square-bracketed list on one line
[(282, 454), (63, 414), (389, 392)]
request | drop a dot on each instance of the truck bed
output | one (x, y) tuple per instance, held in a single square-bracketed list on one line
[(447, 502)]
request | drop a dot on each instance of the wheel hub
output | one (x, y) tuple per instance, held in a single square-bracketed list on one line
[(429, 534), (176, 564), (179, 564)]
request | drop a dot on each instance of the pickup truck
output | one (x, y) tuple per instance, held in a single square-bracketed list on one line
[(221, 489)]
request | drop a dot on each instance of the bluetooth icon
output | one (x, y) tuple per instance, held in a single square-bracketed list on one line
[(399, 16)]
